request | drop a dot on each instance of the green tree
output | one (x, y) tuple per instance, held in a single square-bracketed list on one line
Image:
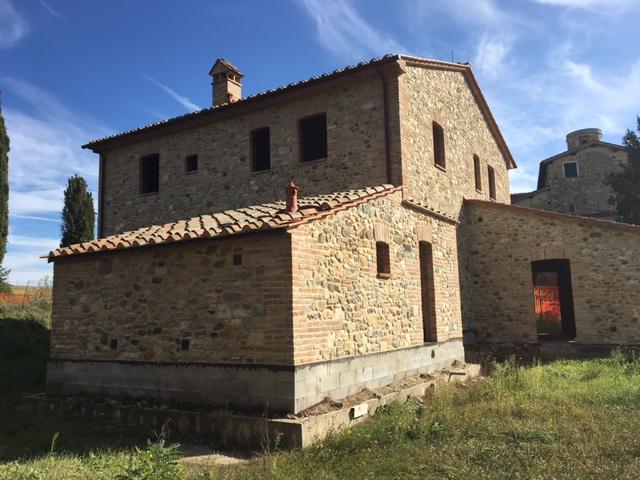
[(4, 187), (626, 183), (78, 215)]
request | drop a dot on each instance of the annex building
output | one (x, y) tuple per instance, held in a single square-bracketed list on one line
[(333, 234)]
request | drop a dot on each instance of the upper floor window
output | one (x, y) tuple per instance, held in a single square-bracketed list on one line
[(383, 260), (492, 182), (438, 145), (191, 163), (313, 137), (477, 173), (260, 149), (570, 169), (150, 173)]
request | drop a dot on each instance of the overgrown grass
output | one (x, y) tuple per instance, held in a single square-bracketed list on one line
[(564, 420)]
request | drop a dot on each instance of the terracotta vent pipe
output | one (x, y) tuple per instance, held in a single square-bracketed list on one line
[(292, 198)]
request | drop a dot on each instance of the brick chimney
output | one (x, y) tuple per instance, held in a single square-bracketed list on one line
[(292, 198), (226, 82)]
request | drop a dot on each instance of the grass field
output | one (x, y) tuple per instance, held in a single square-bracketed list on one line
[(564, 420)]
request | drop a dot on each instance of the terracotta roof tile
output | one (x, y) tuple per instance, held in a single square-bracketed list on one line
[(230, 222)]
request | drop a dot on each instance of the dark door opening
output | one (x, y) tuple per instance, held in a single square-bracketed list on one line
[(428, 293), (553, 299)]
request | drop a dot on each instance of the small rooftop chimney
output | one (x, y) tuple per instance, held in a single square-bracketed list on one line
[(226, 82), (292, 198), (582, 137)]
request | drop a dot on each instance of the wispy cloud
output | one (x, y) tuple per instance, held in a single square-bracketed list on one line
[(13, 27), (596, 6), (341, 30), (45, 150), (491, 53), (50, 9), (184, 101)]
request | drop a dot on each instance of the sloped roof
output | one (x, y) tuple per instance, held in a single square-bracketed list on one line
[(268, 216), (464, 68)]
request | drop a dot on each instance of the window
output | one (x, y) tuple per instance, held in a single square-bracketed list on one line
[(184, 344), (492, 182), (237, 259), (191, 163), (113, 344), (260, 150), (150, 173), (438, 145), (313, 137), (570, 169), (477, 172), (383, 260)]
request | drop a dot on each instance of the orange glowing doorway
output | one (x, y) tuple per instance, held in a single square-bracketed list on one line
[(553, 298)]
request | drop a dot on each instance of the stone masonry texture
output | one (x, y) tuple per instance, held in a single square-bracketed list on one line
[(586, 195), (605, 273)]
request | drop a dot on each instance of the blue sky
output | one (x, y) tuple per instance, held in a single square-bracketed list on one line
[(71, 71)]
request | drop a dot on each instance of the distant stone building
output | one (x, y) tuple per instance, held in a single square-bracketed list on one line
[(574, 181), (217, 280)]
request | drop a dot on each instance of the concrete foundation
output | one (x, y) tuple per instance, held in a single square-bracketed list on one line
[(267, 388)]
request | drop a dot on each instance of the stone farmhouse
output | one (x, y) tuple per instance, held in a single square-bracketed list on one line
[(574, 181), (217, 279)]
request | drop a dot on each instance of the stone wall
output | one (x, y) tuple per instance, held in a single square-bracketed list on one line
[(356, 157), (342, 309), (428, 95), (149, 299), (587, 194), (605, 273)]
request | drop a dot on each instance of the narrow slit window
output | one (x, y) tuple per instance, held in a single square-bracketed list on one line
[(477, 172), (439, 157), (570, 169), (184, 344), (150, 173), (260, 149), (492, 182), (237, 259), (191, 163), (313, 137), (113, 344), (383, 260)]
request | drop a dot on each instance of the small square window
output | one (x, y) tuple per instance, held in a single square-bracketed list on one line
[(383, 260), (191, 163), (570, 169), (313, 137), (150, 173), (260, 149), (113, 344), (237, 259), (184, 344)]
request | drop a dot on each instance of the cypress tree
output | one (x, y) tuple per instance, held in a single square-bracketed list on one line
[(78, 215), (4, 187)]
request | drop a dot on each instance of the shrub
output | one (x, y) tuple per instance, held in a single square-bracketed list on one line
[(156, 462)]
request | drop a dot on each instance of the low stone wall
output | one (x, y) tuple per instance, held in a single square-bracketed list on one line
[(261, 388)]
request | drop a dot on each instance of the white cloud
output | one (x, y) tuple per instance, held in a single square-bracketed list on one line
[(341, 30), (184, 101), (50, 9), (46, 140), (596, 6), (491, 53), (44, 244), (12, 26)]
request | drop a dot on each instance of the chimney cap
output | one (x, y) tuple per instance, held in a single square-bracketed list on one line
[(222, 65), (292, 198)]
